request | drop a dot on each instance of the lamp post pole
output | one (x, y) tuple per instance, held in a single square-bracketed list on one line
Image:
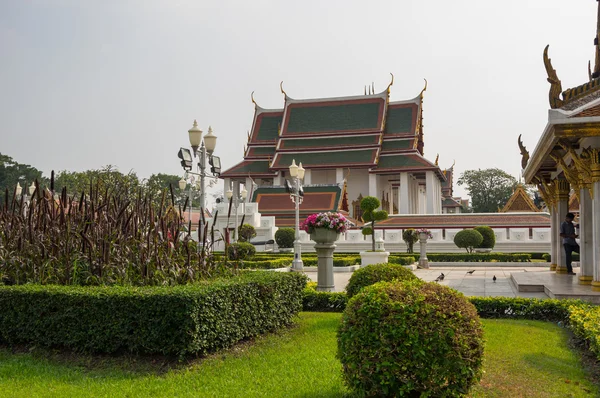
[(297, 173), (236, 204)]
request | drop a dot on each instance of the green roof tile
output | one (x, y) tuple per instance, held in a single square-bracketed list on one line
[(268, 128), (393, 161), (326, 142), (326, 118), (262, 151), (396, 145), (327, 158), (399, 120), (250, 166)]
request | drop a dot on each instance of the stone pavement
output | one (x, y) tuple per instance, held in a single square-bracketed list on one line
[(480, 283)]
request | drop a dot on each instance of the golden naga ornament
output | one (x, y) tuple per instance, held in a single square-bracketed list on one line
[(524, 153), (555, 83)]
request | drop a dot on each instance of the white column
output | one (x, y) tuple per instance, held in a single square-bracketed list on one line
[(339, 177), (562, 208), (250, 188), (429, 187), (403, 194), (596, 218), (227, 185), (277, 180), (308, 177), (373, 186), (586, 255)]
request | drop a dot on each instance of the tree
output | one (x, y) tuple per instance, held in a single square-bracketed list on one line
[(12, 173), (107, 178), (489, 189), (368, 205), (410, 237)]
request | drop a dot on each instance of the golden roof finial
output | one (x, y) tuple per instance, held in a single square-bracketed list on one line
[(390, 85), (555, 83), (424, 89), (281, 88), (453, 163), (254, 102), (437, 158), (248, 132)]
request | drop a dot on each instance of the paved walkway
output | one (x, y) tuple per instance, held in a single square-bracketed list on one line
[(479, 283)]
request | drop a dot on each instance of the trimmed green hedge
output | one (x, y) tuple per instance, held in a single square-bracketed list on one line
[(585, 323), (402, 260), (322, 301), (479, 257), (170, 320), (267, 264), (547, 257)]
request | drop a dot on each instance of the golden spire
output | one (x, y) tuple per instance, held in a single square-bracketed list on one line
[(424, 89), (436, 159)]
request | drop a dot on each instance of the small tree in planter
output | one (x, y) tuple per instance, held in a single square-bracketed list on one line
[(368, 205), (410, 237)]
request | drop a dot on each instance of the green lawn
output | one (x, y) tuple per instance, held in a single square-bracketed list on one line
[(523, 358)]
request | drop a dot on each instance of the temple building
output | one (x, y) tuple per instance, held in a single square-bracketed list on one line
[(350, 147), (566, 158)]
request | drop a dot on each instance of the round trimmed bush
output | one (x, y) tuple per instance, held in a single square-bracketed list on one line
[(240, 251), (489, 238), (468, 239), (374, 273), (246, 232), (285, 237), (410, 338)]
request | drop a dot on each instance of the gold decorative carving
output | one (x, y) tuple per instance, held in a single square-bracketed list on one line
[(563, 188), (254, 102), (437, 158), (390, 85), (594, 164), (524, 153), (578, 130), (555, 83), (571, 174), (281, 88), (424, 89), (548, 191)]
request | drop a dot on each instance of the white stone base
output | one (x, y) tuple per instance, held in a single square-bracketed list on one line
[(368, 258)]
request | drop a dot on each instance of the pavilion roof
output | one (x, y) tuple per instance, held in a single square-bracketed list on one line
[(519, 202)]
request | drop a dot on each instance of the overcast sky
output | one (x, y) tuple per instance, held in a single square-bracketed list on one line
[(85, 84)]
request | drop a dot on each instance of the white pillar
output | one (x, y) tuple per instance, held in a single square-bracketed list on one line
[(403, 194), (596, 218), (429, 186), (307, 177), (226, 184), (373, 186), (562, 208), (250, 188), (277, 180), (339, 176), (586, 255)]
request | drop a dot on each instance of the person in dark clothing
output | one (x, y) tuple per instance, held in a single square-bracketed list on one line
[(568, 235)]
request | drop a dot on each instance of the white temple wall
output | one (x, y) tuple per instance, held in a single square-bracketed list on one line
[(323, 176), (358, 183)]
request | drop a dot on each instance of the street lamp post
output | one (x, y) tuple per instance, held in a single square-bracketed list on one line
[(182, 184), (202, 149), (236, 204), (297, 174)]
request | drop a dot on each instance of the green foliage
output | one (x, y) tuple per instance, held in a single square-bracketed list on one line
[(322, 301), (585, 323), (410, 339), (259, 263), (177, 320), (402, 260), (489, 238), (368, 205), (524, 308), (410, 237), (479, 257), (240, 251), (246, 232), (284, 237), (374, 273), (468, 239), (12, 172), (489, 189)]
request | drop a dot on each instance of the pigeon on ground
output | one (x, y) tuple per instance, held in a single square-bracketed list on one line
[(494, 278), (470, 272), (440, 278)]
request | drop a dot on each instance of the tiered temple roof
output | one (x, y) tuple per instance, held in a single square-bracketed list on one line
[(365, 131), (519, 202)]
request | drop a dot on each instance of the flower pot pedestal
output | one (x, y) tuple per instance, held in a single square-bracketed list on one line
[(325, 247), (368, 258), (423, 262)]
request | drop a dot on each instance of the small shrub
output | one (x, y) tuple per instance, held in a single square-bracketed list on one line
[(368, 205), (322, 301), (468, 239), (585, 323), (240, 251), (410, 339), (489, 238), (246, 232), (376, 273), (284, 237), (410, 237)]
